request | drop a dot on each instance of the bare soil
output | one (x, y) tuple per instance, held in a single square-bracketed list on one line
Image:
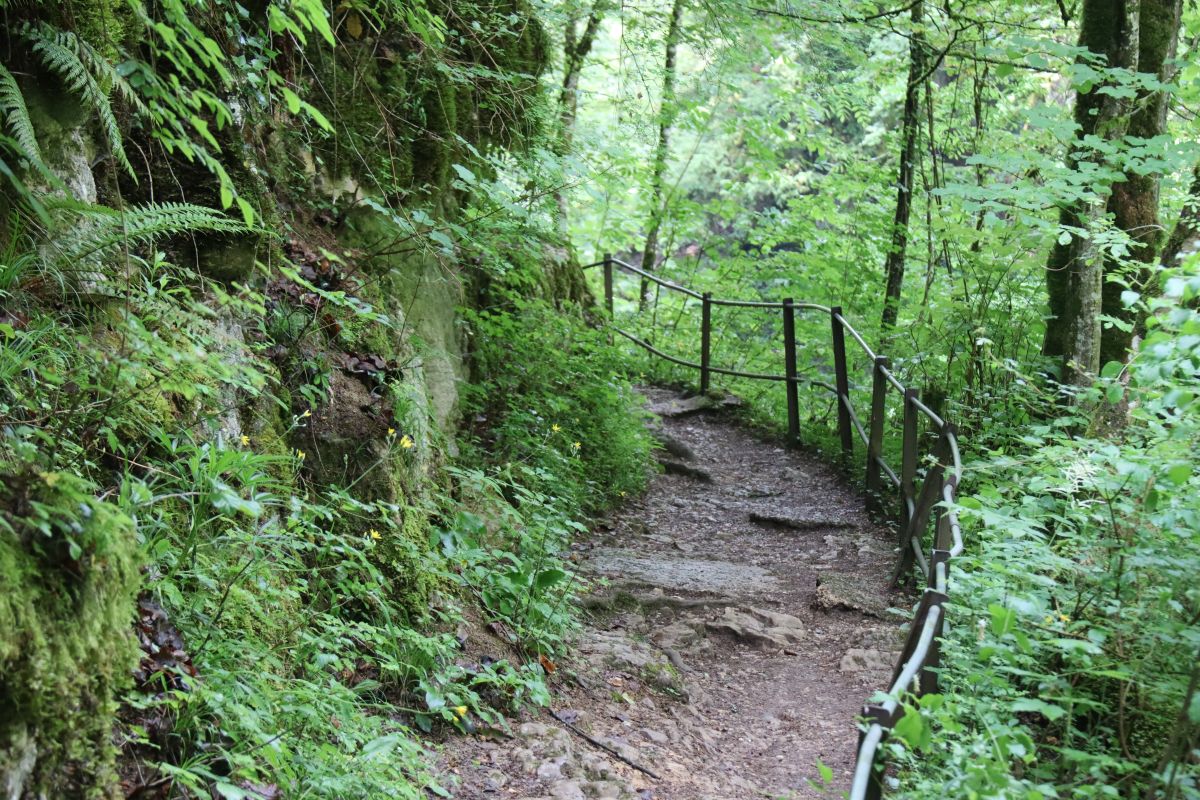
[(737, 620)]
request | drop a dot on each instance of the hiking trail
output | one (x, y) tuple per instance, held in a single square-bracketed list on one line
[(737, 622)]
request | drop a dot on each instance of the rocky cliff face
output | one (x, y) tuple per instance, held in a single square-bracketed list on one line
[(331, 331)]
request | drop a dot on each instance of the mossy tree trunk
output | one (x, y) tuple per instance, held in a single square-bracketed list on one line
[(893, 266), (1134, 201), (1075, 268), (666, 118)]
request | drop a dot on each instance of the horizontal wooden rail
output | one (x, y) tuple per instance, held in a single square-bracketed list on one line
[(924, 504)]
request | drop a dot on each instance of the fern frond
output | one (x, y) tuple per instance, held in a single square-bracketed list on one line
[(59, 52), (103, 229), (105, 73), (16, 115)]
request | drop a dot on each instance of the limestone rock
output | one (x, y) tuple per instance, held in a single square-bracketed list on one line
[(760, 628), (839, 591)]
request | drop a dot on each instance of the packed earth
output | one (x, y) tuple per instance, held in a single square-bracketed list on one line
[(738, 618)]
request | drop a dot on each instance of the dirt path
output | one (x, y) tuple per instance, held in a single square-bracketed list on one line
[(743, 624)]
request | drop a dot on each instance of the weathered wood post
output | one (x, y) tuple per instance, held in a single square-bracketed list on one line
[(608, 284), (908, 466), (705, 340), (789, 370), (842, 382), (875, 439)]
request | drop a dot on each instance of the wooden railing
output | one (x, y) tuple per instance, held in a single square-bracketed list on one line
[(925, 502)]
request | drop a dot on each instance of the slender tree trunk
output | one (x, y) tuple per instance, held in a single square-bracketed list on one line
[(893, 266), (1134, 201), (576, 46), (1185, 238), (1075, 268), (666, 117)]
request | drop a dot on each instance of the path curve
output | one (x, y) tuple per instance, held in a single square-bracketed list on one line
[(738, 622)]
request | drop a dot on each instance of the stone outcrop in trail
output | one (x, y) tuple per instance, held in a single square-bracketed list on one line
[(737, 623)]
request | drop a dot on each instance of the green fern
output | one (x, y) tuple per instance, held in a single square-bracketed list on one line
[(73, 60), (103, 229), (16, 115)]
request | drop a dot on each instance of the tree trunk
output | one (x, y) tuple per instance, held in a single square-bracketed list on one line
[(1075, 268), (666, 117), (1134, 201), (576, 47), (894, 264)]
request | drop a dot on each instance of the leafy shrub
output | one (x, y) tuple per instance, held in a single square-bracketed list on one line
[(1074, 655), (553, 396)]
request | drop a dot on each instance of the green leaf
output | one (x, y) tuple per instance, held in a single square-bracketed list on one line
[(1047, 710), (1179, 473), (547, 578), (910, 728), (466, 174), (1003, 619)]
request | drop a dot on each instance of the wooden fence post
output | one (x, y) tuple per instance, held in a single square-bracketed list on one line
[(705, 340), (608, 283), (908, 466), (842, 382), (789, 371), (875, 440)]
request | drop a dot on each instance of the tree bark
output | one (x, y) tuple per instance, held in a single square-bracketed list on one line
[(666, 118), (1075, 268), (893, 266), (1134, 201)]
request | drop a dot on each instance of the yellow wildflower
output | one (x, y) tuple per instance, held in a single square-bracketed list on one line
[(307, 413), (245, 440), (1064, 618), (299, 455), (460, 711), (374, 534), (1048, 620), (556, 427), (577, 445), (391, 432), (406, 442)]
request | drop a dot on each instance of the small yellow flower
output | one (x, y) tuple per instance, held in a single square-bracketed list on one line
[(374, 534), (391, 432), (577, 445), (245, 440), (622, 494), (460, 711), (556, 427), (299, 455), (406, 442), (307, 413), (1063, 618)]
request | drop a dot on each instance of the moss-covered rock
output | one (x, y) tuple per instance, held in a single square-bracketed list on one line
[(69, 568)]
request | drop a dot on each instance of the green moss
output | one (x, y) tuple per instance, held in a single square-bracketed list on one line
[(106, 25), (69, 567)]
